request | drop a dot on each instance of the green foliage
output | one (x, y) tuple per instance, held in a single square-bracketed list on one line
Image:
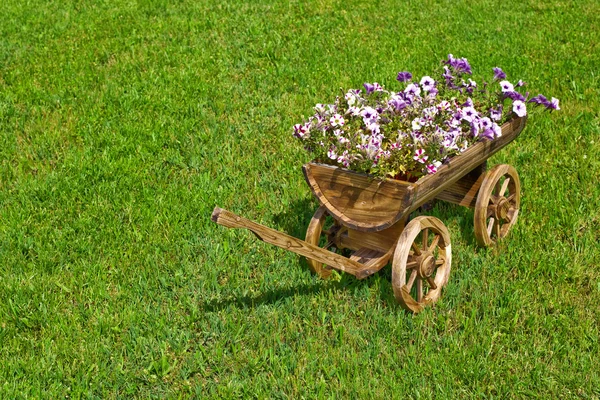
[(122, 124)]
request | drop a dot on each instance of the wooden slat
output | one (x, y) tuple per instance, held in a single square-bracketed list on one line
[(371, 260), (279, 239), (464, 191), (381, 241)]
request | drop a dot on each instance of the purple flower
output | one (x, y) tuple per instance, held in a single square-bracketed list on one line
[(369, 87), (397, 103), (554, 104), (514, 96), (412, 90), (469, 113), (499, 74), (539, 99), (496, 115), (497, 130), (460, 65), (519, 108), (521, 83), (488, 134), (404, 76)]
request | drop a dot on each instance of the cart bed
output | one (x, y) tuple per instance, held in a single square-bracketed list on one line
[(370, 205)]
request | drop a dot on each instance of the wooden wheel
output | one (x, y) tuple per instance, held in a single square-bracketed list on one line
[(322, 231), (421, 263), (497, 204)]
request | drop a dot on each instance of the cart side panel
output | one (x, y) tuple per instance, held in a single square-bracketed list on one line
[(357, 200), (430, 186)]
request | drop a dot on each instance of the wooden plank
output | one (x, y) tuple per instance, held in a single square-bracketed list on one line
[(279, 239), (464, 191), (381, 241), (430, 186), (358, 201), (372, 261)]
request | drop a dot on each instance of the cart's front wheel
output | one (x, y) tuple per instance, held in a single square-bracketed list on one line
[(497, 204), (322, 232), (421, 263)]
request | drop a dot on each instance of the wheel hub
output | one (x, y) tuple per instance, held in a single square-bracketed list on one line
[(502, 208), (426, 265)]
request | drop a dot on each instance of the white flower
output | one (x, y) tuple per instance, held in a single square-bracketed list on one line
[(337, 120), (416, 124), (507, 86), (350, 98), (519, 108)]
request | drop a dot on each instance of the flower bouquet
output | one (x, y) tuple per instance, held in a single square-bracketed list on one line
[(412, 132)]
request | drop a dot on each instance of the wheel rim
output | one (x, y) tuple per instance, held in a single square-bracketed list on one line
[(497, 206), (421, 263), (322, 231)]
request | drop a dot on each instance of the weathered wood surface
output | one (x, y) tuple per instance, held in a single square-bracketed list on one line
[(366, 204), (358, 200), (464, 191)]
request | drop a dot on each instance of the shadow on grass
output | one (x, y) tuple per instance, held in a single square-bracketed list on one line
[(295, 222)]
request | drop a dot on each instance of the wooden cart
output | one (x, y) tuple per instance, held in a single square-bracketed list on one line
[(364, 222)]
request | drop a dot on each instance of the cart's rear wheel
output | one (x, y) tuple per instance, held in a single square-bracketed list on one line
[(497, 204), (322, 232), (421, 263)]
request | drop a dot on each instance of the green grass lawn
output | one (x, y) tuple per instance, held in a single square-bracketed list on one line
[(123, 123)]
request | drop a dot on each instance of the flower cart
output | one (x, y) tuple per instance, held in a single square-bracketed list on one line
[(369, 219)]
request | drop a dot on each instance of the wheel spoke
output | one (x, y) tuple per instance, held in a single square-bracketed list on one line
[(497, 229), (490, 226), (491, 210), (419, 290), (431, 283), (411, 279), (434, 244), (425, 238), (504, 186), (511, 197), (416, 249), (411, 264), (439, 262), (493, 199)]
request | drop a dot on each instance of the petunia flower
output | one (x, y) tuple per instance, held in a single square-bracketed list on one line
[(499, 74), (427, 83), (433, 167), (507, 86), (420, 156), (554, 104), (496, 114), (369, 87), (539, 99), (331, 153), (412, 90), (469, 113), (515, 96), (519, 108), (404, 76), (337, 120)]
